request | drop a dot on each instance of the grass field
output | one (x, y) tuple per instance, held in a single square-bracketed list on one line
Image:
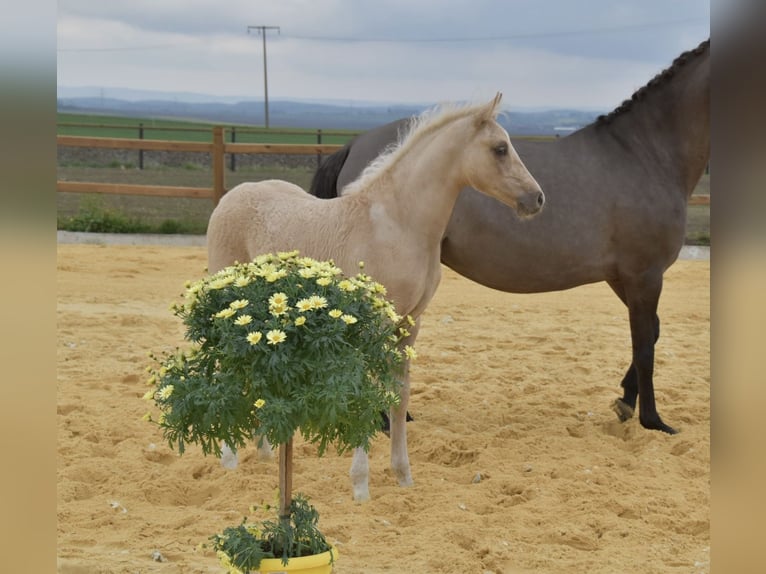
[(177, 130), (147, 214)]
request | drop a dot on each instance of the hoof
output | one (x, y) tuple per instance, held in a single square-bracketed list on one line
[(657, 424), (623, 410), (265, 454), (361, 495), (229, 460)]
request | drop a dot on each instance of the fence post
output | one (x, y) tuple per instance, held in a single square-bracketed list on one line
[(218, 165), (233, 160), (319, 142), (141, 152)]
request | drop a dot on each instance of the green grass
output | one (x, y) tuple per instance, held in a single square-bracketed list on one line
[(90, 125), (147, 214)]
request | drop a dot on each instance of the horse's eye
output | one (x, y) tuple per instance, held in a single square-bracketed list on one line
[(501, 149)]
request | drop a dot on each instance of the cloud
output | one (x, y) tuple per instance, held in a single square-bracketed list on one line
[(541, 52)]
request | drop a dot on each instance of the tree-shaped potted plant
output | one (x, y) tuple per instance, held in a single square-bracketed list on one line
[(280, 345)]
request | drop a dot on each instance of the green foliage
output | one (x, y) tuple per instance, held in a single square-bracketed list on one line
[(93, 217), (244, 546), (280, 345)]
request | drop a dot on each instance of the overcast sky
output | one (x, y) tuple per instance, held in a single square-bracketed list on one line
[(588, 54)]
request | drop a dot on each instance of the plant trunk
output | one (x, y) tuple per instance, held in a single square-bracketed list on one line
[(285, 479)]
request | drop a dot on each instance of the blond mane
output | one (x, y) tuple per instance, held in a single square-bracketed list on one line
[(417, 128)]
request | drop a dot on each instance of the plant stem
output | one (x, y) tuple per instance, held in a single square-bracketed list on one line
[(285, 479)]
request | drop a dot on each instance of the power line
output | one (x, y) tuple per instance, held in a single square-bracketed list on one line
[(262, 31), (453, 39), (504, 37), (121, 49)]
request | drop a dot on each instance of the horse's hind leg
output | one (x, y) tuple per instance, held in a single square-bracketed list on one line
[(229, 459), (360, 475)]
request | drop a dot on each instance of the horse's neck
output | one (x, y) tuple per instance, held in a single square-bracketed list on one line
[(421, 188), (670, 128)]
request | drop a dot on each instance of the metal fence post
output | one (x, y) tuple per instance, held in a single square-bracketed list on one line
[(319, 142), (141, 152)]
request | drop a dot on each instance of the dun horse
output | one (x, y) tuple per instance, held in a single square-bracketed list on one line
[(393, 218), (617, 192)]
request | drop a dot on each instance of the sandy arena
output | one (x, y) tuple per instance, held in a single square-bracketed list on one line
[(520, 465)]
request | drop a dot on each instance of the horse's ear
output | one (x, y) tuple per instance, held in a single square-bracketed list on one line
[(489, 110)]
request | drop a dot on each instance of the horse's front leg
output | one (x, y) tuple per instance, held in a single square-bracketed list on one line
[(642, 299), (400, 460), (625, 407)]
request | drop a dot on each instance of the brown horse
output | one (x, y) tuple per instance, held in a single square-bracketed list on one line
[(392, 218), (617, 192)]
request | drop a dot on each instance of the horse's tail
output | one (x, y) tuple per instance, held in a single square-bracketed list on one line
[(325, 181)]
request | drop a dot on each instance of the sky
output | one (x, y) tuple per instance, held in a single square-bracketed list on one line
[(587, 54)]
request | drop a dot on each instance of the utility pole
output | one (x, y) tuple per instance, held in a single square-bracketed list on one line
[(262, 32)]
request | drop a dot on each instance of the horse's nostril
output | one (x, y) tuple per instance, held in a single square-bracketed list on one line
[(540, 200)]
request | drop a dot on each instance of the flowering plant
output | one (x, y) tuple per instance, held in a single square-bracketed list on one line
[(280, 345)]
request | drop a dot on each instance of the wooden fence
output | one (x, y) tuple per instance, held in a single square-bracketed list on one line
[(217, 150)]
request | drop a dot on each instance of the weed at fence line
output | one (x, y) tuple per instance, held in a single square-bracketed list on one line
[(93, 217)]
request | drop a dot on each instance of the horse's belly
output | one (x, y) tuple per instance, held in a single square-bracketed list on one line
[(524, 275)]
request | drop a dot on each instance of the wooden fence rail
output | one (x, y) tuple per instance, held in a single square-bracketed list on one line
[(217, 149)]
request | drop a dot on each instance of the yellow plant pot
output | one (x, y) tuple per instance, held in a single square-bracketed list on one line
[(315, 564)]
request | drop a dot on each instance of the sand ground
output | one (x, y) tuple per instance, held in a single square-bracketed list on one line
[(519, 463)]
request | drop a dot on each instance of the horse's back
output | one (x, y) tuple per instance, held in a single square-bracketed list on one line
[(246, 211)]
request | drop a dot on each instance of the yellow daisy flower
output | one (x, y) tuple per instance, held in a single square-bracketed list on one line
[(287, 255), (278, 310), (259, 403), (243, 320), (335, 313), (307, 272), (300, 321), (225, 313), (347, 285), (304, 305), (317, 302), (348, 319), (239, 304), (410, 353), (278, 299), (254, 337), (275, 336)]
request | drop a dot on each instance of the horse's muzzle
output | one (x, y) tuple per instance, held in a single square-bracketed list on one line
[(530, 203)]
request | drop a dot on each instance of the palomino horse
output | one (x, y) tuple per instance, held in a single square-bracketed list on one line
[(393, 218), (617, 191)]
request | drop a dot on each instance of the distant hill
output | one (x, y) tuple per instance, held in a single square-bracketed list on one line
[(284, 113)]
